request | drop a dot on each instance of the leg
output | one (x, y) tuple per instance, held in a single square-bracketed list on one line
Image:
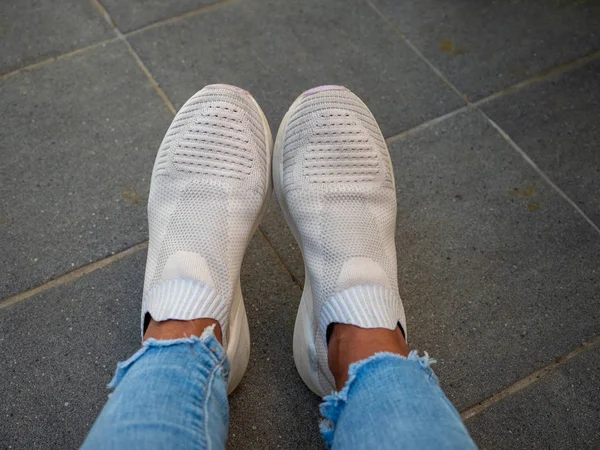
[(391, 400), (172, 394), (349, 344), (210, 185), (335, 184)]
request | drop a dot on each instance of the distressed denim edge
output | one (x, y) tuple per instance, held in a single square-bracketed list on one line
[(123, 366), (333, 404)]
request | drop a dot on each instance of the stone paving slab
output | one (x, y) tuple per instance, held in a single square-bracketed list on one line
[(133, 14), (59, 351), (483, 47), (78, 140), (277, 49), (485, 266), (280, 236), (272, 408), (493, 263), (33, 31), (556, 123), (560, 411), (52, 383)]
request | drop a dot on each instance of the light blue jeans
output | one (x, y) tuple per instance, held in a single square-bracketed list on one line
[(173, 395)]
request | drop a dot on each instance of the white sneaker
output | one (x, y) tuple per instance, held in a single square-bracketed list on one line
[(334, 182), (210, 185)]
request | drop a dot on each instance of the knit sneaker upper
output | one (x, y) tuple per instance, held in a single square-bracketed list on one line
[(209, 182), (339, 189)]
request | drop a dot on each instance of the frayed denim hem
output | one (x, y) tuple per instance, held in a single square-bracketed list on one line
[(207, 338), (333, 404)]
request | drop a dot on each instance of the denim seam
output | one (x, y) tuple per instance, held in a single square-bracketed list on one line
[(210, 381)]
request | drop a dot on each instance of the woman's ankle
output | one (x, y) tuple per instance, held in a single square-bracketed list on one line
[(177, 329), (349, 344)]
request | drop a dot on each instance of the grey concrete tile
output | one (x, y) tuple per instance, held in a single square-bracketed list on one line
[(556, 124), (60, 349), (33, 31), (276, 230), (499, 275), (135, 14), (78, 141), (493, 264), (560, 411), (272, 408), (483, 47), (277, 49)]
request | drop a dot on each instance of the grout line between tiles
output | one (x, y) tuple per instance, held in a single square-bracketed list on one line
[(294, 278), (428, 124), (478, 408), (505, 136), (538, 78), (56, 58), (470, 412), (73, 275), (100, 264), (539, 171), (152, 80), (403, 38), (185, 15), (541, 76), (137, 58)]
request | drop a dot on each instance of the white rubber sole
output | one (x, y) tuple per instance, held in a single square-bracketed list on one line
[(238, 333), (238, 344), (305, 354)]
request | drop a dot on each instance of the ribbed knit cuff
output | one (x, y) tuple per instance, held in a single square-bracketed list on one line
[(366, 306), (183, 299)]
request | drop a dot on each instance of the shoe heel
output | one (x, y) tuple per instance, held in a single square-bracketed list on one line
[(238, 347), (305, 355)]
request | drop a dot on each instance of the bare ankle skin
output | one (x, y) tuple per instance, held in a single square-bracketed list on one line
[(349, 344), (176, 329)]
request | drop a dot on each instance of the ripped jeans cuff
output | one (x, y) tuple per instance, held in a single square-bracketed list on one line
[(207, 343), (333, 404)]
